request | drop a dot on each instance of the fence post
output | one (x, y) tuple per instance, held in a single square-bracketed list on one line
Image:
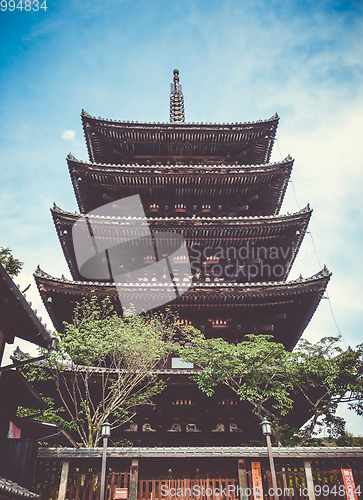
[(309, 480), (63, 480)]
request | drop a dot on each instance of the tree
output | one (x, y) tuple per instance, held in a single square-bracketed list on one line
[(257, 370), (347, 439), (13, 266), (267, 376), (104, 366), (326, 376)]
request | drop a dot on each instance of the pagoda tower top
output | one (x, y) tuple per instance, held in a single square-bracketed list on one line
[(176, 101)]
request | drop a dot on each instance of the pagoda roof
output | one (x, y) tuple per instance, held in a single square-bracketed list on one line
[(291, 303), (113, 141), (284, 232), (258, 188)]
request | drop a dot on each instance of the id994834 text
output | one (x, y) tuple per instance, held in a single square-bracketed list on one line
[(23, 5)]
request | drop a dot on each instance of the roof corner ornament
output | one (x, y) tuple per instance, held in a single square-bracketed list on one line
[(176, 101)]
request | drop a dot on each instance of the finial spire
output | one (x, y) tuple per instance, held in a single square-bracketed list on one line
[(176, 100)]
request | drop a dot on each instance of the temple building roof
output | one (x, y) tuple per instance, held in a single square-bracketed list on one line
[(281, 308), (275, 240), (249, 190), (17, 318), (10, 489), (111, 141)]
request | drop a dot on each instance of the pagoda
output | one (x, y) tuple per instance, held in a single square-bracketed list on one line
[(213, 184)]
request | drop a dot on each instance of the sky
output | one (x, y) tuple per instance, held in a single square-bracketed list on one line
[(239, 60)]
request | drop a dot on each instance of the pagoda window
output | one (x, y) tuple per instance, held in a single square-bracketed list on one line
[(184, 322), (180, 259), (227, 402), (219, 323), (176, 427), (154, 207), (192, 428), (211, 259), (177, 363), (180, 207), (149, 259), (147, 427), (182, 402), (205, 208)]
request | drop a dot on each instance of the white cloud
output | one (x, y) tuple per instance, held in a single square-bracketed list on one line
[(69, 135)]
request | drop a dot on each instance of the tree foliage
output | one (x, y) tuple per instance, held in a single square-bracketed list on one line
[(13, 266), (104, 366), (257, 370), (270, 378), (326, 376)]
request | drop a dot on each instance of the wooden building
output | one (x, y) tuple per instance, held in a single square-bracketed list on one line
[(213, 184), (19, 437)]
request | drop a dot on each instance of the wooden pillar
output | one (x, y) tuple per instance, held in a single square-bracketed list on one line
[(284, 482), (63, 481), (134, 478), (309, 480)]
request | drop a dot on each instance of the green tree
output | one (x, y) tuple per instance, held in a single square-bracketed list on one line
[(267, 376), (347, 439), (13, 266), (326, 376), (257, 370), (104, 366)]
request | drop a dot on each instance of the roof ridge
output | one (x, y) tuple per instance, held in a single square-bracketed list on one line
[(274, 118), (323, 273), (306, 209), (71, 158)]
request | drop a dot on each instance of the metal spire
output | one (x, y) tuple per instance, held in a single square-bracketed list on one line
[(176, 100)]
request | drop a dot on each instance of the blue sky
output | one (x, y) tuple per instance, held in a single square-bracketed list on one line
[(238, 61)]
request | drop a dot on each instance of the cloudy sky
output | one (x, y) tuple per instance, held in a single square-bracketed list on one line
[(239, 60)]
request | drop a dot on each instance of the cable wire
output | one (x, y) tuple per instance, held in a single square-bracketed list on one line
[(316, 253)]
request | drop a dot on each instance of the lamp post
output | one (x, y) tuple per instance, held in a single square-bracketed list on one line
[(267, 431), (105, 434)]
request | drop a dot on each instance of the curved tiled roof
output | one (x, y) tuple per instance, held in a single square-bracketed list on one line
[(11, 489), (258, 189), (115, 141), (284, 232), (17, 317), (247, 304)]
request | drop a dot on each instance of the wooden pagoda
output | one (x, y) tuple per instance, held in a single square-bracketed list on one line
[(215, 185)]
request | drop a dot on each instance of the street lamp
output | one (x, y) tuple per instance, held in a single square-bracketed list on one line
[(267, 431), (105, 434)]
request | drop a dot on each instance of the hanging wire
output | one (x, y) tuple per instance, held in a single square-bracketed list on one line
[(316, 253)]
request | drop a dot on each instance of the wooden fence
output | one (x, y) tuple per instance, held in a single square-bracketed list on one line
[(187, 489), (83, 483)]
